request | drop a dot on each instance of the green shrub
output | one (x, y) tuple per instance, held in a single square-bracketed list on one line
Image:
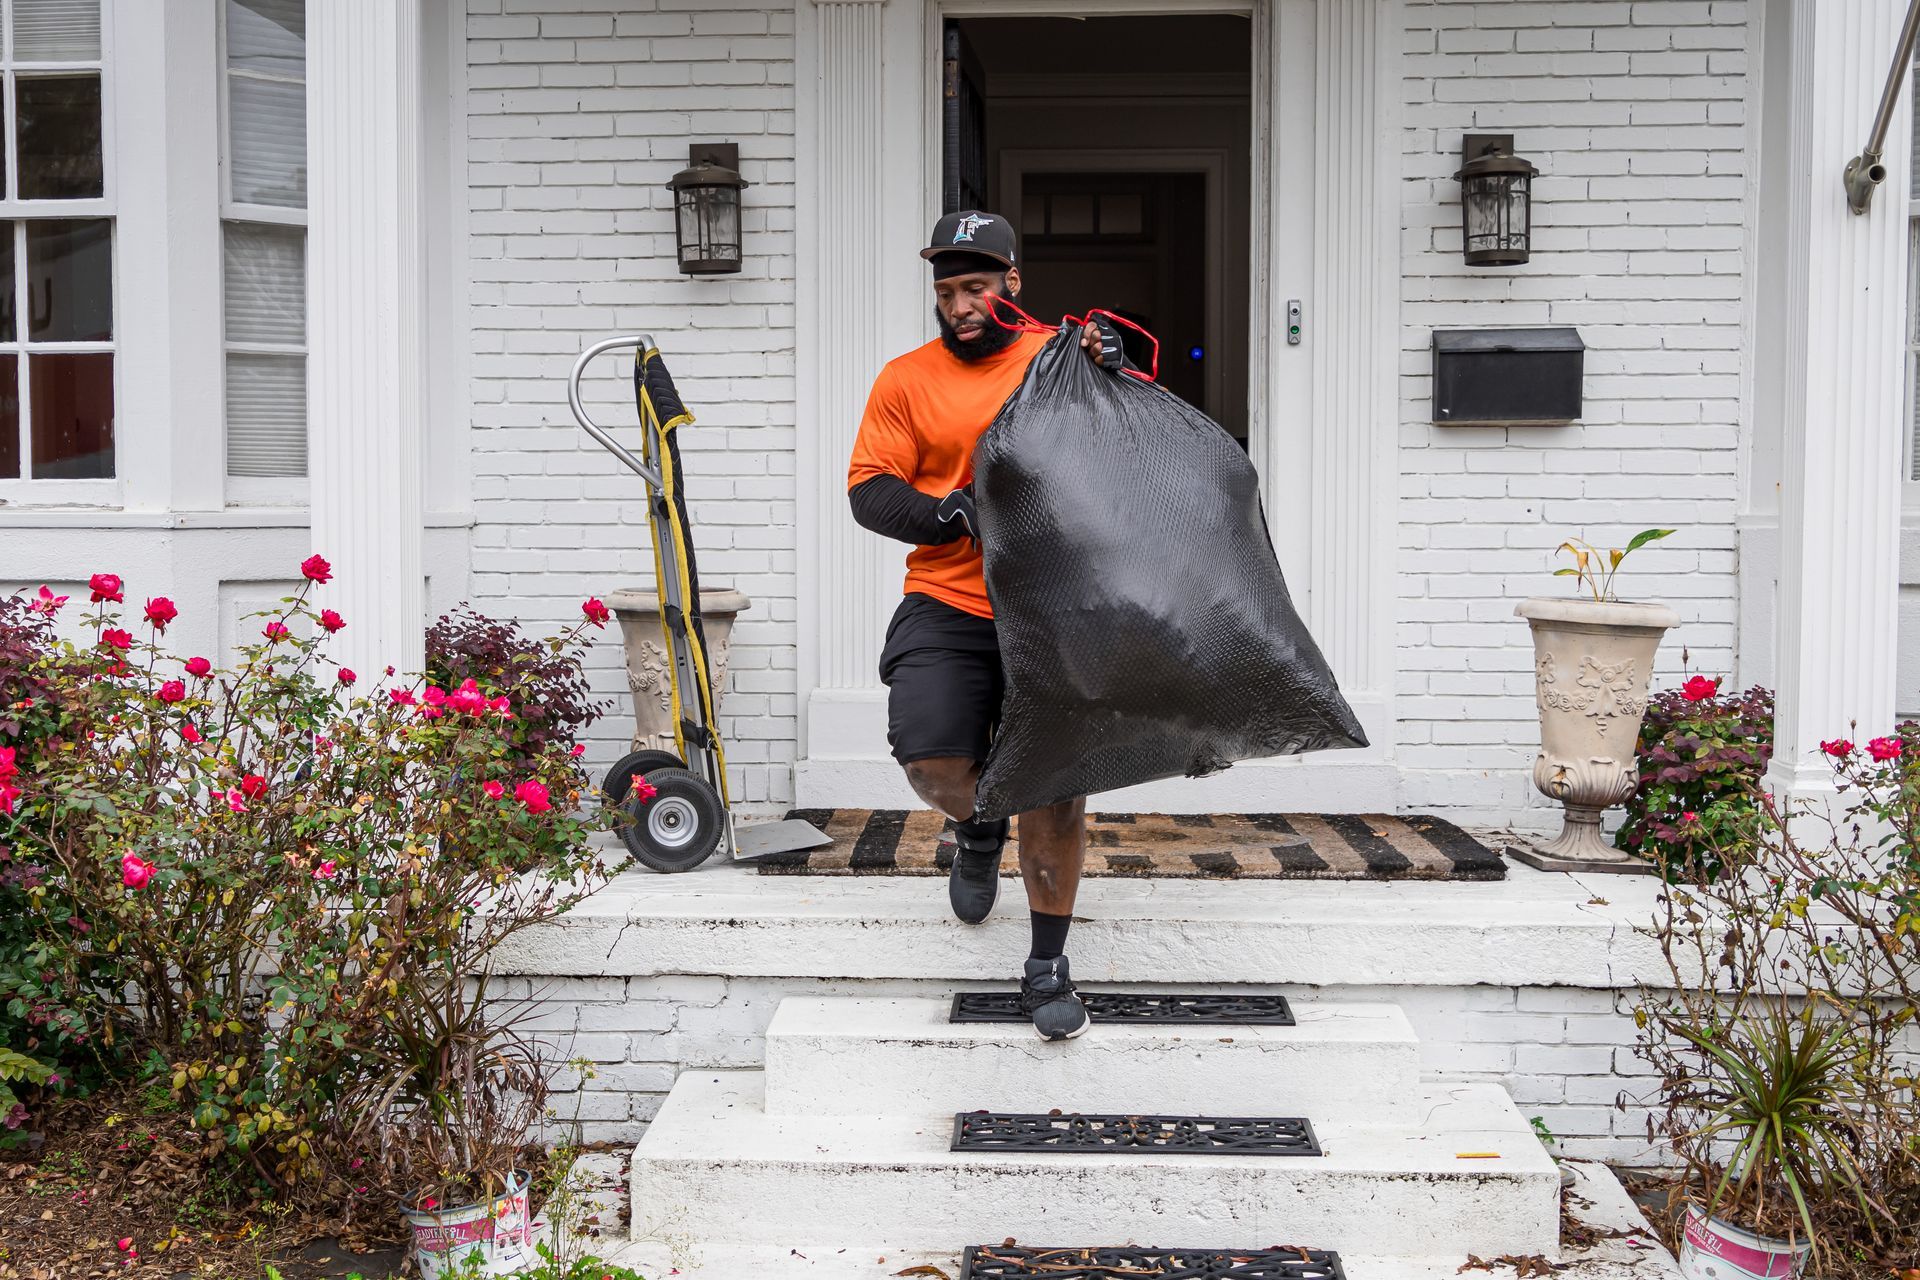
[(300, 879)]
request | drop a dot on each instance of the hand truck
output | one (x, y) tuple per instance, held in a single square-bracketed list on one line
[(684, 813)]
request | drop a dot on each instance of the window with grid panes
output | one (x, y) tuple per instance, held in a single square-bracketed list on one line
[(56, 247), (264, 228)]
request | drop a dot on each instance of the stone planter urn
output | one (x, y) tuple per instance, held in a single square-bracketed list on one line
[(1592, 662), (641, 636)]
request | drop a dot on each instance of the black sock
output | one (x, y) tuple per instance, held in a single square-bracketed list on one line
[(1049, 935), (981, 836)]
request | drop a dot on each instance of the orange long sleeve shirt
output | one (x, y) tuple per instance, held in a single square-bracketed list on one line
[(927, 410)]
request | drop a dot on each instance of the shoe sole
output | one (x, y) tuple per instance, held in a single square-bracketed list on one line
[(1075, 1034)]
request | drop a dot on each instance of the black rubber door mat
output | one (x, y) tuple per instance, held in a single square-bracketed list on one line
[(1133, 1135), (1139, 1008), (1017, 1262)]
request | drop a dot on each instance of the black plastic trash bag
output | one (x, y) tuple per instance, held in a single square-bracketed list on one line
[(1144, 626)]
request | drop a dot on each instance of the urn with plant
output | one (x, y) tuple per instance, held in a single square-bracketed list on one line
[(1593, 660)]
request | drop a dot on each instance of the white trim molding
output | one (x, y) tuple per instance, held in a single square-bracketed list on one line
[(1354, 431), (1837, 624), (367, 357)]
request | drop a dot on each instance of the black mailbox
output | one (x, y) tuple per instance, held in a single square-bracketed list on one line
[(1506, 377)]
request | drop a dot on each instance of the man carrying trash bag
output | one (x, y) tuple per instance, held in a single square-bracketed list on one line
[(1127, 622)]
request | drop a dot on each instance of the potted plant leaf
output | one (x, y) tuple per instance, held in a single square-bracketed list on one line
[(1593, 661), (1773, 1093)]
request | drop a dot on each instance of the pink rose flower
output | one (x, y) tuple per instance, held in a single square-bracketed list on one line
[(8, 795), (325, 871), (316, 568), (501, 706), (1884, 749), (117, 638), (47, 603), (579, 749), (1699, 689), (276, 631), (331, 621), (467, 698), (493, 789), (253, 786), (642, 790), (1689, 816), (533, 795), (236, 802), (597, 612), (161, 611), (433, 695), (135, 871), (106, 586), (198, 667), (9, 762), (346, 675), (173, 691), (1838, 748), (189, 733), (403, 697)]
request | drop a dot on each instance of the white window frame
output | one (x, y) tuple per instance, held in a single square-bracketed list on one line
[(252, 490), (58, 492)]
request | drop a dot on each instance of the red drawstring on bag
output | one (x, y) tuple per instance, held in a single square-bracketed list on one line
[(1030, 325)]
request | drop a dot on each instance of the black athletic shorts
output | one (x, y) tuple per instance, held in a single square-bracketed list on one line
[(941, 666)]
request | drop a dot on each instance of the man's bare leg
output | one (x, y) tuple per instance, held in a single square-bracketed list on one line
[(1053, 845)]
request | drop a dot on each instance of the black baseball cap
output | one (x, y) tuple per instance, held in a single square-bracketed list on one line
[(970, 232)]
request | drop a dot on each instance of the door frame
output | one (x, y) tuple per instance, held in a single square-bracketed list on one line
[(1326, 202), (1210, 163)]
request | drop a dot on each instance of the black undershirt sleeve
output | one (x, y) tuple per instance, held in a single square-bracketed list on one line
[(893, 508)]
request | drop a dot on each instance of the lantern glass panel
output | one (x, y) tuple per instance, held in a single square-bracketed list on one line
[(709, 226), (1496, 211)]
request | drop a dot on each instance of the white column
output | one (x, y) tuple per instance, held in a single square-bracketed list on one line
[(165, 79), (1354, 339), (851, 199), (364, 293), (1840, 493)]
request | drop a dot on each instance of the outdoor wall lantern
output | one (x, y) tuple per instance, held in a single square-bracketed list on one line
[(706, 209), (1496, 201)]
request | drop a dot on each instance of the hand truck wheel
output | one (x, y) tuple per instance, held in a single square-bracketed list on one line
[(680, 827), (619, 779)]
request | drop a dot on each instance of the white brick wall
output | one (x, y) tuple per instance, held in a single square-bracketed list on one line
[(1564, 1054), (578, 111), (1635, 114)]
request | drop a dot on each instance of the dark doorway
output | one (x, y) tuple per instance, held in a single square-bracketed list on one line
[(1121, 150)]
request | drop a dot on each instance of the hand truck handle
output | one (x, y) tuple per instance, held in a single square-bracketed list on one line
[(640, 342)]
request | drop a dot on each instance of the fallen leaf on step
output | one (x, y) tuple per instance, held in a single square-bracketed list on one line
[(925, 1269), (1473, 1263), (1598, 902)]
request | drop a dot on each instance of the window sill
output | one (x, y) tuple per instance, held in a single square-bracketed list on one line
[(74, 517)]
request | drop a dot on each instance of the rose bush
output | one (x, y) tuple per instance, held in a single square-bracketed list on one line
[(1701, 755), (301, 884)]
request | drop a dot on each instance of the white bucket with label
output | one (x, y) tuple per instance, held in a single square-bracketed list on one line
[(493, 1238), (1712, 1250)]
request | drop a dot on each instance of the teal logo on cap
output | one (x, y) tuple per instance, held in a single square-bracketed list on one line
[(968, 225)]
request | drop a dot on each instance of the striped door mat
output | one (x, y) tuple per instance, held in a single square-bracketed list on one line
[(1226, 846)]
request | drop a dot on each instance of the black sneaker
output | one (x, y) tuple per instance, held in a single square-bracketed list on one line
[(973, 883), (1047, 994)]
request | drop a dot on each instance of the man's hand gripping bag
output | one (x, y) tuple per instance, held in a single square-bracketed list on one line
[(1144, 626)]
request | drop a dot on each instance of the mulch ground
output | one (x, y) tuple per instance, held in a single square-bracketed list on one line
[(118, 1185)]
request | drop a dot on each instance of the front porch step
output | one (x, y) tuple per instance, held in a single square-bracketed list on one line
[(715, 1166), (902, 1057)]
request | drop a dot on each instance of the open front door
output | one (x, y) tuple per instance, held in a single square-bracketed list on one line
[(963, 126)]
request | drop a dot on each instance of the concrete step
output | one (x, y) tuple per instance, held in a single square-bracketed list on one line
[(714, 1166), (901, 1057)]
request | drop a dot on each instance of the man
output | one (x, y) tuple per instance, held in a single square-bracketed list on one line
[(911, 478)]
